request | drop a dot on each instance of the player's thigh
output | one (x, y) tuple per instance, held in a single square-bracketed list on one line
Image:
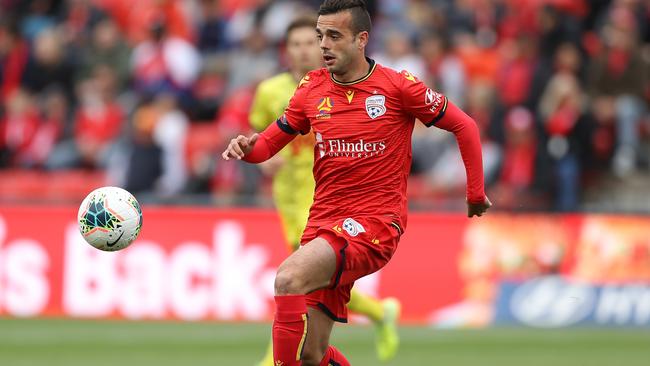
[(319, 328), (307, 269)]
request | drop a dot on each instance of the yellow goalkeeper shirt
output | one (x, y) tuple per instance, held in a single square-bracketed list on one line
[(293, 184)]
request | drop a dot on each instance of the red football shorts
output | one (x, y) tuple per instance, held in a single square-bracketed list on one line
[(362, 246)]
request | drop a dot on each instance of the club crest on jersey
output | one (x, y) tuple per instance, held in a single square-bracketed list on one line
[(375, 106), (352, 227)]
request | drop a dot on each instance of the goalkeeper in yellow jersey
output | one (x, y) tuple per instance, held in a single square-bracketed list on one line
[(293, 181)]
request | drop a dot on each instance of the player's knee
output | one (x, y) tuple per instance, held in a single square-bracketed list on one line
[(312, 356), (288, 282)]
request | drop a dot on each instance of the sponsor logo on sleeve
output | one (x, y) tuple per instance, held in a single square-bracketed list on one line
[(434, 99)]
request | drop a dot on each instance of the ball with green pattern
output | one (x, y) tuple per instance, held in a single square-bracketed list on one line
[(110, 218)]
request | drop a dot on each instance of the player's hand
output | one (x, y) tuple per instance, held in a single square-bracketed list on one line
[(478, 209), (239, 147)]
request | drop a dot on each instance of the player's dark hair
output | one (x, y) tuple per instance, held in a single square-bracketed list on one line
[(360, 17), (305, 21)]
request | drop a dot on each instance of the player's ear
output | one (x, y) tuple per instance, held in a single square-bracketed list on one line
[(363, 39)]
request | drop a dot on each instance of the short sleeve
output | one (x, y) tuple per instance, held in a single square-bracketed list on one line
[(421, 101), (294, 119)]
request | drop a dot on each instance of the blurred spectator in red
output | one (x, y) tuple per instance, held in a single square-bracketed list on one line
[(97, 124), (165, 64), (229, 179), (49, 65), (561, 110), (18, 129), (519, 155), (517, 18), (233, 116), (603, 140), (26, 137), (619, 75), (137, 17), (232, 6), (13, 59), (202, 151), (515, 70), (54, 118), (238, 179), (106, 48)]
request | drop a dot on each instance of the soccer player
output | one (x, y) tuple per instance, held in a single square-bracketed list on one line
[(293, 181), (362, 115)]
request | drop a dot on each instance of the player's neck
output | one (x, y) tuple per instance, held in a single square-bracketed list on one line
[(356, 71)]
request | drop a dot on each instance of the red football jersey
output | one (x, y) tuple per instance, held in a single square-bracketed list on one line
[(363, 128)]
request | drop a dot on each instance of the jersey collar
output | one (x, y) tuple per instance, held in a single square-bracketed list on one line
[(372, 63)]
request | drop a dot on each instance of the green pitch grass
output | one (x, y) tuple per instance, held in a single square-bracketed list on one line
[(99, 343)]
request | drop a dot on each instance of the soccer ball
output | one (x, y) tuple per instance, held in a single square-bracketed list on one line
[(110, 218)]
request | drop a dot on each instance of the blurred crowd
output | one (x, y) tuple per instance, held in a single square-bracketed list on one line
[(149, 91)]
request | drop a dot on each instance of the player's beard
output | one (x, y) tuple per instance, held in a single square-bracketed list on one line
[(342, 60), (339, 67)]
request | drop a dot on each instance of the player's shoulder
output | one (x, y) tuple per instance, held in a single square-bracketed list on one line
[(398, 78), (313, 78)]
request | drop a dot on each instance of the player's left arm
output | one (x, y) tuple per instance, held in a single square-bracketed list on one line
[(259, 116), (469, 143), (434, 109)]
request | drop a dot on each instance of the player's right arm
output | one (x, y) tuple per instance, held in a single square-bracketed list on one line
[(260, 147)]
